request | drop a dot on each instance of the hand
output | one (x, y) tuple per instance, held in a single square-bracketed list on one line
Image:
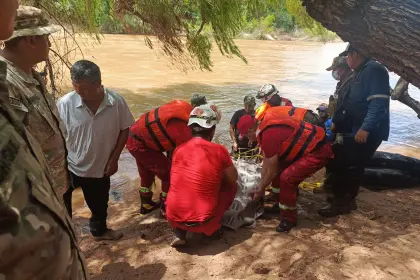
[(258, 194), (332, 127), (235, 146), (361, 136), (111, 167)]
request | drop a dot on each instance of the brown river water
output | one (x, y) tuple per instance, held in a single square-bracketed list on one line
[(146, 78)]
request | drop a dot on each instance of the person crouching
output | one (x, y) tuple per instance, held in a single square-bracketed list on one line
[(158, 131), (203, 180), (293, 150)]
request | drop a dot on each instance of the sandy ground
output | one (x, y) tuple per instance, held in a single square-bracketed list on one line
[(378, 241)]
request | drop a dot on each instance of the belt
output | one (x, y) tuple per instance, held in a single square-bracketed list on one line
[(196, 224)]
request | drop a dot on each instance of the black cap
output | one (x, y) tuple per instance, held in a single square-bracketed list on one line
[(348, 50)]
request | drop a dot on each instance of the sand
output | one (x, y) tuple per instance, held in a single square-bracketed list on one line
[(378, 241)]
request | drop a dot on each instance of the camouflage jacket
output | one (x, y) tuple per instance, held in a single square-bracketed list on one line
[(37, 239), (340, 89), (37, 110)]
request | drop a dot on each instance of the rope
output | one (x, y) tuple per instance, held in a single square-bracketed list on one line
[(309, 186)]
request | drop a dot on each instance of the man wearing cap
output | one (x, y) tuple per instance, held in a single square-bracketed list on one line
[(342, 73), (38, 238), (198, 100), (241, 145), (35, 107), (203, 179), (362, 123), (270, 94)]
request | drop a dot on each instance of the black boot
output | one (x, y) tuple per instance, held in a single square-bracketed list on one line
[(147, 204), (179, 238), (215, 235), (336, 209), (285, 226)]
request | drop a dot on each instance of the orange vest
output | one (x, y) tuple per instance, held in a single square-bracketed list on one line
[(289, 111), (151, 126), (305, 138)]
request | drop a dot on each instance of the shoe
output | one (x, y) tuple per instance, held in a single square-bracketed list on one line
[(275, 209), (285, 226), (110, 234), (334, 209), (216, 235), (179, 238), (148, 207)]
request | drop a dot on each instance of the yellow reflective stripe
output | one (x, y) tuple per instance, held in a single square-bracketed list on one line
[(284, 207), (164, 194), (275, 190), (144, 190), (377, 96)]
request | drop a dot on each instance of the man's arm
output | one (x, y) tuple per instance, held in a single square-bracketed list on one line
[(233, 137), (268, 172), (112, 166), (230, 174), (378, 103)]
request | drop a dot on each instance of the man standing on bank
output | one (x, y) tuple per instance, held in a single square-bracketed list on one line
[(96, 124), (361, 122), (34, 105)]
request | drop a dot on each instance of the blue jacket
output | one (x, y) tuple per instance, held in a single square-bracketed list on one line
[(366, 104)]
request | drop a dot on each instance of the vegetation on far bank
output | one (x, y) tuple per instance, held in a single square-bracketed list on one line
[(185, 29)]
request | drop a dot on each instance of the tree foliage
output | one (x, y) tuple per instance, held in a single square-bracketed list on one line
[(185, 29)]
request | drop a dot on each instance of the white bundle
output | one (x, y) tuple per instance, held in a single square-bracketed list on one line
[(249, 176)]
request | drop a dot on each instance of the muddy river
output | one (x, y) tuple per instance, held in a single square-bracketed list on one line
[(147, 79)]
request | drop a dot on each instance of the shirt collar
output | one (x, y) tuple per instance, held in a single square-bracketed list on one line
[(109, 99)]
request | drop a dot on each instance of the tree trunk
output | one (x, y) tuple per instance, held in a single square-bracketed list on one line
[(387, 30), (400, 93)]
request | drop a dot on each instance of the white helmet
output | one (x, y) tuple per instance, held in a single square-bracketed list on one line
[(206, 116), (266, 92)]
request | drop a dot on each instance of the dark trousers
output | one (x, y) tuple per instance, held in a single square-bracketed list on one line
[(96, 193), (348, 166)]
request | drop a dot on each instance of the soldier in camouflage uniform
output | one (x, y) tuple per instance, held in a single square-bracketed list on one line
[(34, 106), (344, 75), (37, 240)]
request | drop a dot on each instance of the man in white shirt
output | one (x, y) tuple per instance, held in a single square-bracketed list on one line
[(96, 122)]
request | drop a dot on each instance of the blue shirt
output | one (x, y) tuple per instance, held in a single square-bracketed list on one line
[(366, 104)]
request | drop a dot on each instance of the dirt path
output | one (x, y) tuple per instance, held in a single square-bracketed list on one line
[(379, 241)]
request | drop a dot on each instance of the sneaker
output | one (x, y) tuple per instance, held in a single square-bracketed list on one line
[(179, 238), (110, 234)]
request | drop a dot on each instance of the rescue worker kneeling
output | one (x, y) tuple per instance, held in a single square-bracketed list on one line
[(293, 150), (160, 130), (203, 180), (297, 113)]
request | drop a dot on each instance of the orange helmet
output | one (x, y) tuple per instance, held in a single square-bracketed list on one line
[(260, 112)]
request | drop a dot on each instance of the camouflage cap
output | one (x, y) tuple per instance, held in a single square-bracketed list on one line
[(339, 61), (31, 21), (249, 99), (198, 100)]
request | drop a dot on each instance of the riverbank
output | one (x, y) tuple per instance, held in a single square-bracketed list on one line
[(378, 241)]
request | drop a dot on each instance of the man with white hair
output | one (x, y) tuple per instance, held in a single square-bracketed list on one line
[(203, 179)]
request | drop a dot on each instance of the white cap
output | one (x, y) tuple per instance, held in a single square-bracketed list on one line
[(206, 116)]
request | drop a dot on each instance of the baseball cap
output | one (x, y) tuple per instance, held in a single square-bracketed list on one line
[(323, 107), (31, 21), (249, 99), (206, 116), (197, 100), (337, 62), (245, 123), (348, 50)]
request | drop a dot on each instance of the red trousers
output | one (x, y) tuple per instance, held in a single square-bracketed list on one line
[(289, 178), (150, 164), (226, 197)]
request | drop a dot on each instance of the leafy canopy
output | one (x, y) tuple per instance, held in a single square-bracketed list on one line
[(185, 29)]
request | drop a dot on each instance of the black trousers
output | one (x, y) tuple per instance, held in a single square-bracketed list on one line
[(348, 166), (96, 193)]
